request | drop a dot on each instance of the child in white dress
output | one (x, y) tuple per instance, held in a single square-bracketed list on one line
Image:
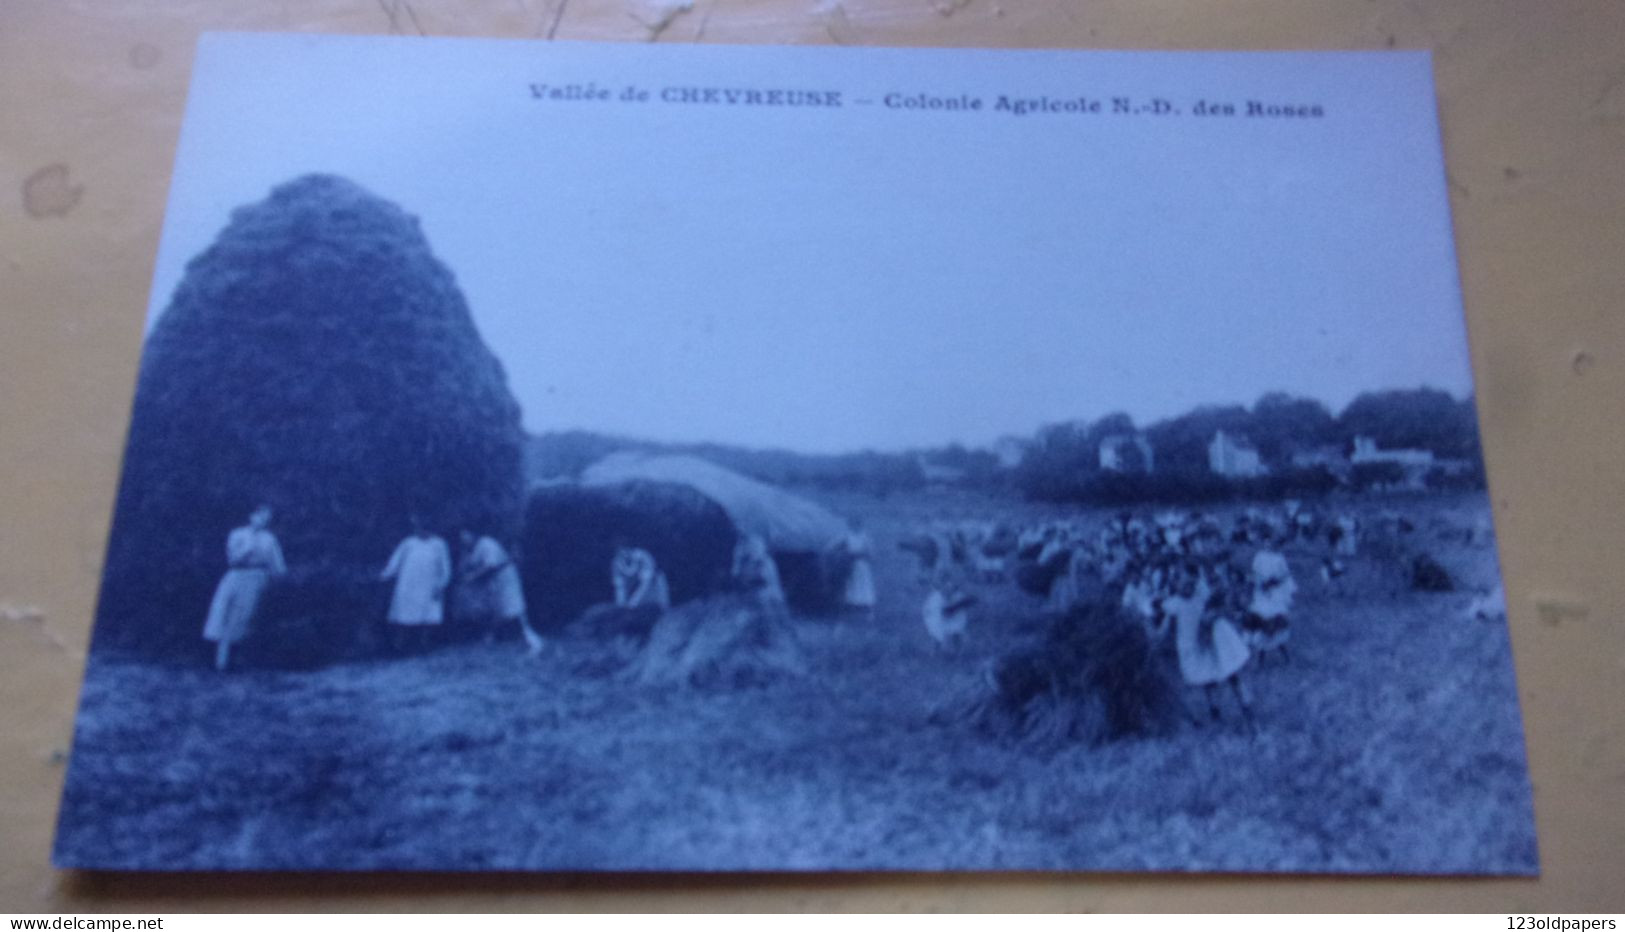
[(421, 569)]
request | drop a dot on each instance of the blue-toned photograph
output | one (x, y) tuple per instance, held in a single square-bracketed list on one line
[(610, 458)]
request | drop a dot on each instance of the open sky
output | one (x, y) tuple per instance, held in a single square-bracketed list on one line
[(828, 279)]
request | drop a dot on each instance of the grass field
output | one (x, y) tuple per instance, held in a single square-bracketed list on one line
[(1390, 743)]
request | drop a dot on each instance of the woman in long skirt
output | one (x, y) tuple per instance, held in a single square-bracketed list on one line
[(1211, 651), (421, 568), (490, 577), (860, 579), (253, 557)]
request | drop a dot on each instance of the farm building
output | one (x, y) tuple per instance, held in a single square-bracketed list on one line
[(1367, 451), (1233, 457), (800, 534), (1127, 453), (1011, 450), (1327, 456), (1415, 463), (940, 474)]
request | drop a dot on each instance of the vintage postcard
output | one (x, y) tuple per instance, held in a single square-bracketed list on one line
[(596, 457)]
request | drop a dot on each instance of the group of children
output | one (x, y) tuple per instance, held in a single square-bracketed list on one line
[(1218, 594), (1224, 596), (420, 569), (488, 581)]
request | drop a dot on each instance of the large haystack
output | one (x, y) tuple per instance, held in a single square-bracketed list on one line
[(800, 534), (317, 357), (1096, 677), (571, 533)]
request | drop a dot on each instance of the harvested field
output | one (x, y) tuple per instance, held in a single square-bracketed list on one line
[(1390, 743)]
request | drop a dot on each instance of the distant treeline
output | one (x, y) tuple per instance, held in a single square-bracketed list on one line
[(1301, 444), (1062, 461), (563, 455)]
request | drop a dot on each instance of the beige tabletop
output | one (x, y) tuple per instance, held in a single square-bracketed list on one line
[(1532, 97)]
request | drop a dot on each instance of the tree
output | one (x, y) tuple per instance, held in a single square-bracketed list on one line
[(1281, 424), (1424, 418), (1181, 442), (1055, 466), (1112, 425)]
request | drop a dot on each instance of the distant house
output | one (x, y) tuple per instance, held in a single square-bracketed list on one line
[(1366, 451), (1233, 457), (940, 473), (1415, 463), (1329, 457), (1126, 453), (1010, 451)]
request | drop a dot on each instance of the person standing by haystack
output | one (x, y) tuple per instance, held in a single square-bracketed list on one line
[(754, 572), (492, 580), (253, 557), (860, 578), (421, 568), (637, 579)]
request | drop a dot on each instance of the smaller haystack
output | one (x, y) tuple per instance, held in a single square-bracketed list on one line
[(1096, 677), (722, 642), (571, 532)]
